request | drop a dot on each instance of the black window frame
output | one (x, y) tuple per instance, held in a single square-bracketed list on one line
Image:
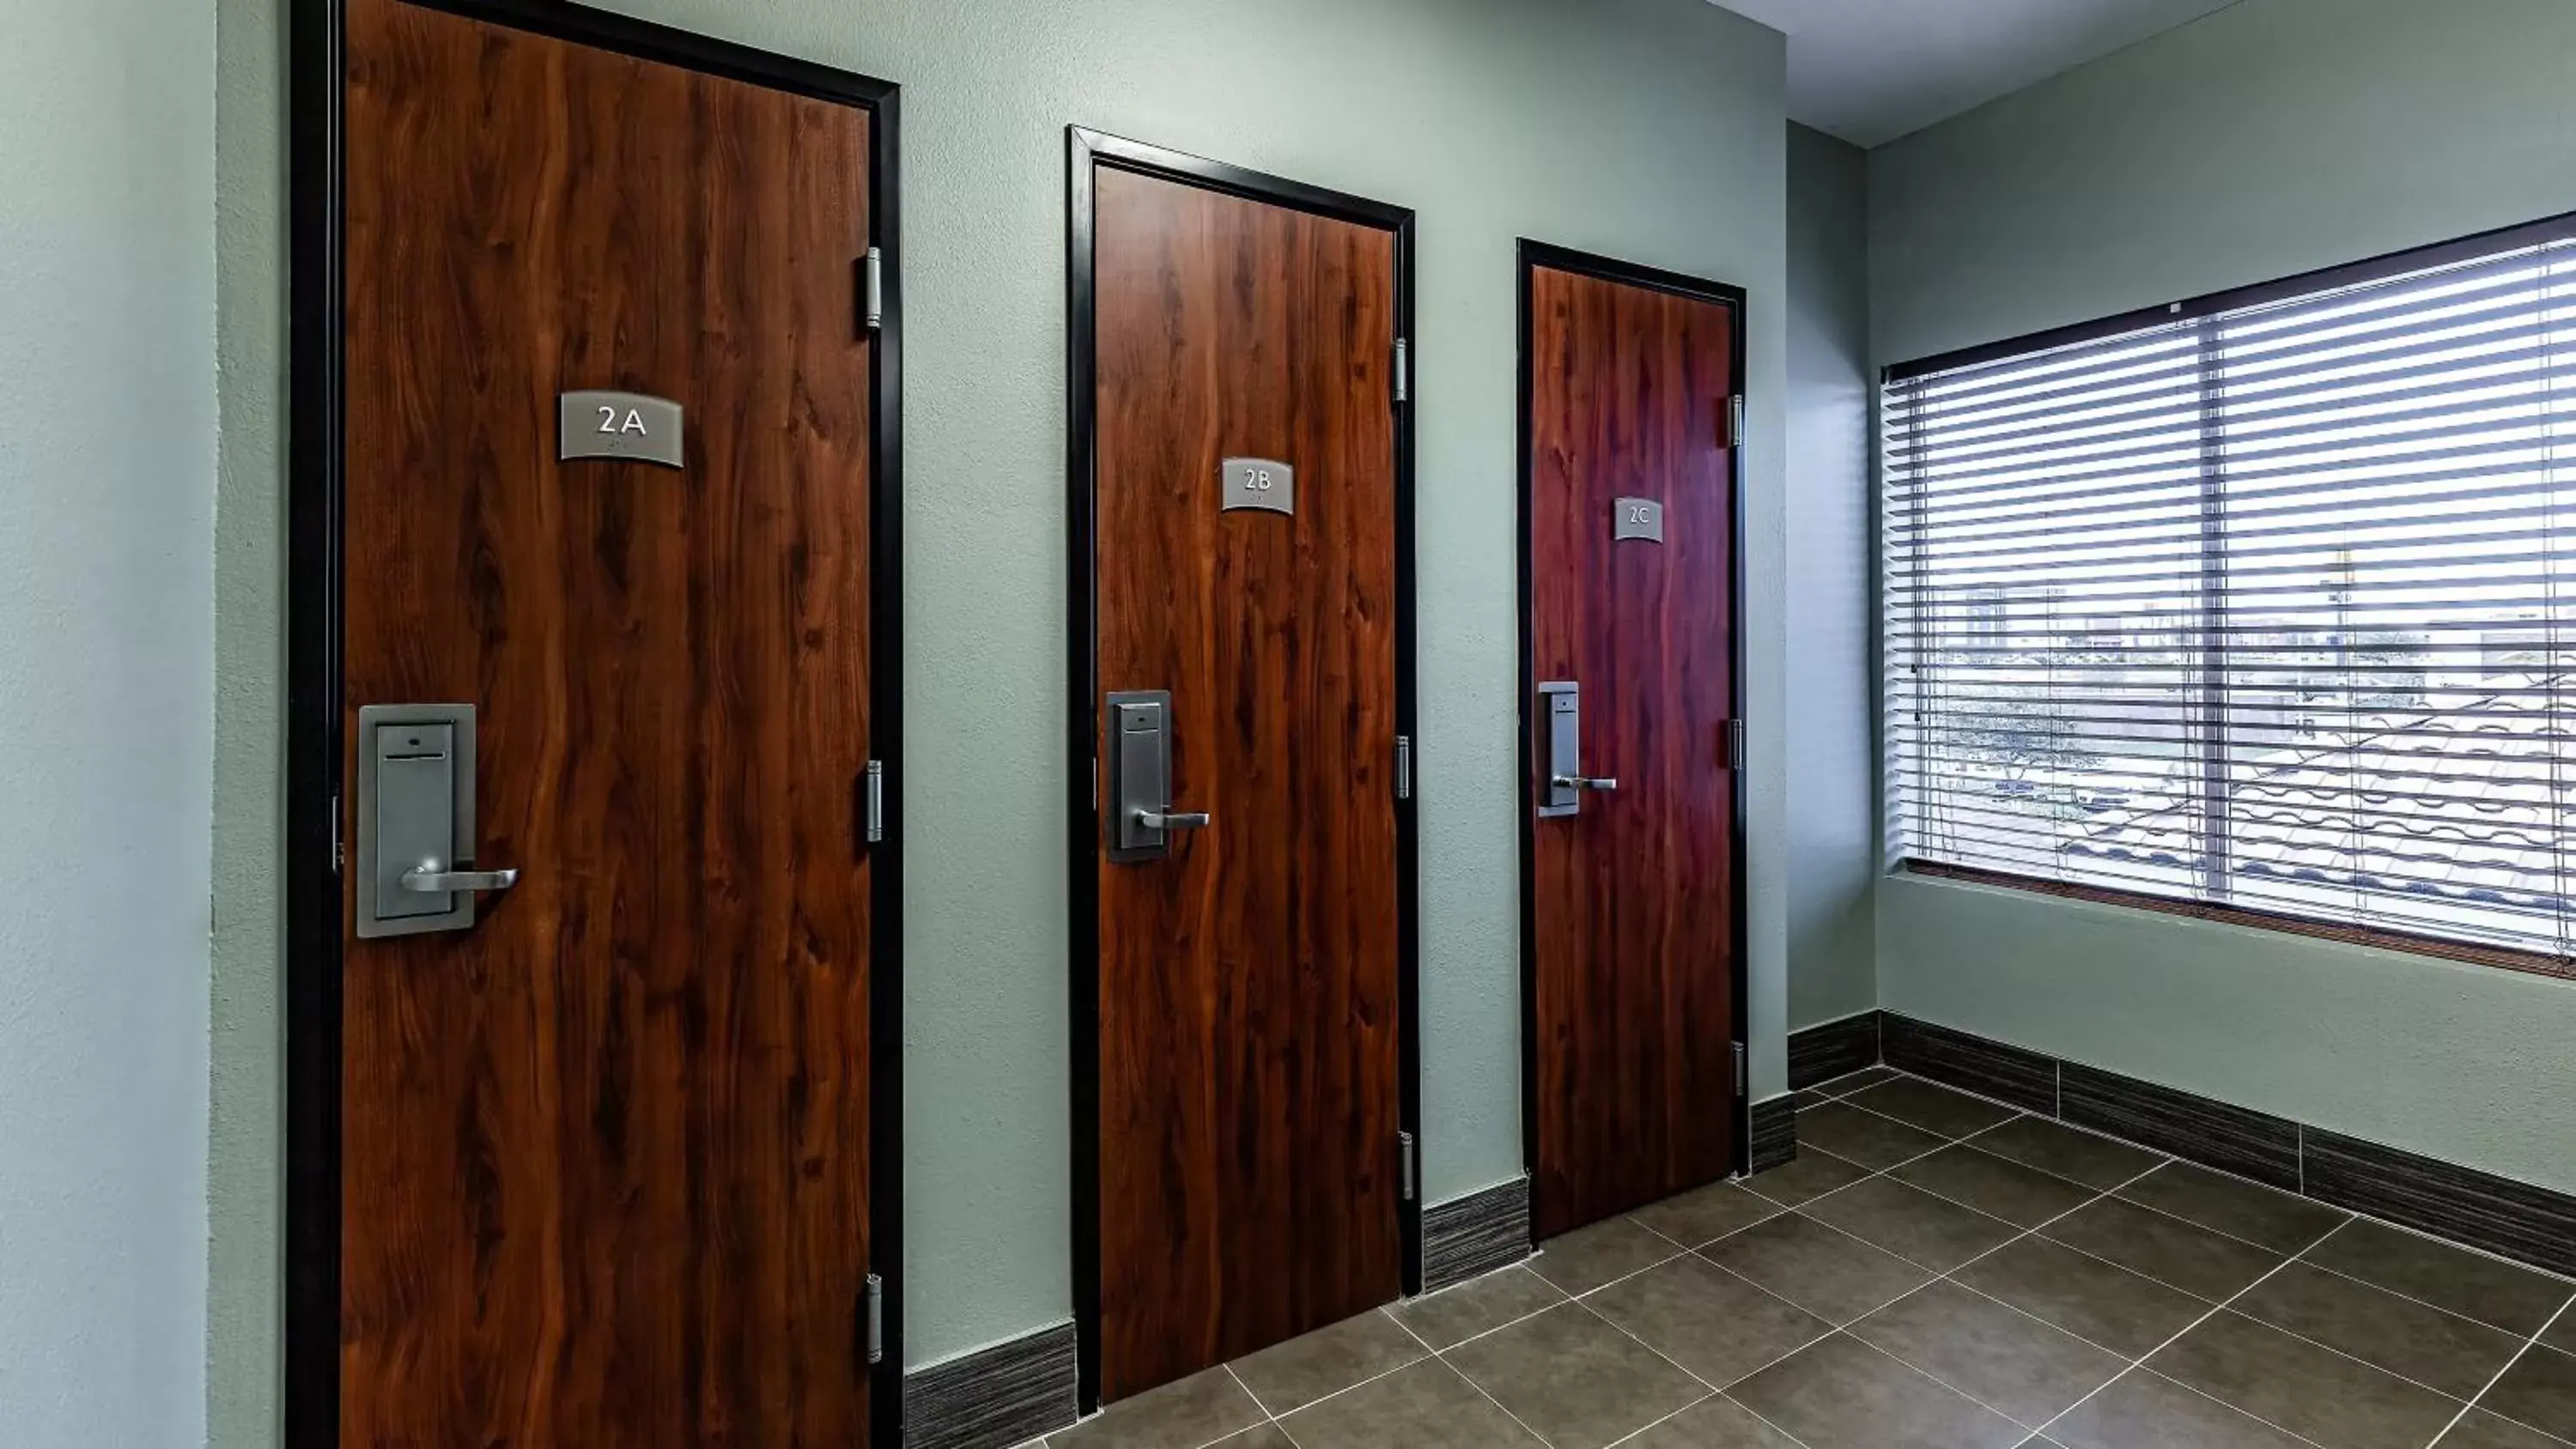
[(2213, 305)]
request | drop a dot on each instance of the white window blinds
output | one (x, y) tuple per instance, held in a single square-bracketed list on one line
[(2267, 606)]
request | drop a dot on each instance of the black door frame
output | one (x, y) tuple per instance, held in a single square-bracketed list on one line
[(313, 643), (1085, 152), (1532, 256)]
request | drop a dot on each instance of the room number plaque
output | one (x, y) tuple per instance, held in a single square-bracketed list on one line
[(627, 427), (1258, 483), (1637, 518)]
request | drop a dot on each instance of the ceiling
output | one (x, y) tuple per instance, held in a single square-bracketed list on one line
[(1870, 71)]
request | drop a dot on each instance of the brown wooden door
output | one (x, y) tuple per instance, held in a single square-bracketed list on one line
[(605, 1155), (1633, 901), (1248, 1091)]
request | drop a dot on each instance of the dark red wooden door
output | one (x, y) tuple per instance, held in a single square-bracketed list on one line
[(1632, 906), (1248, 981), (605, 1167)]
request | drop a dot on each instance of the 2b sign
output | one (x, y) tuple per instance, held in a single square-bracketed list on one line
[(1264, 483)]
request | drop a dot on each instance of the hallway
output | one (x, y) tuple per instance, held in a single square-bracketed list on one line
[(1933, 1270)]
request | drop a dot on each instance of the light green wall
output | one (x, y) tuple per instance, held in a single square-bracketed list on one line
[(244, 1264), (1832, 839), (2274, 137), (1649, 129), (107, 495)]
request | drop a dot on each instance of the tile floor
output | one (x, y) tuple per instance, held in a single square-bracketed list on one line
[(1934, 1271)]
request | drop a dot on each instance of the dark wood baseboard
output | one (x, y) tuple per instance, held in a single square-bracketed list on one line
[(1475, 1234), (995, 1397), (1775, 1133), (1832, 1049)]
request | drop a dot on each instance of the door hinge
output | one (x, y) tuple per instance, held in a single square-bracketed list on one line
[(1743, 1081), (1404, 767), (339, 860), (1408, 1165), (876, 801), (1735, 744), (873, 266), (872, 1310), (1403, 371), (1735, 421)]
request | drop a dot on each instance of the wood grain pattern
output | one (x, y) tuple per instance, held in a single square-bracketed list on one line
[(605, 1157), (1633, 899), (1248, 987)]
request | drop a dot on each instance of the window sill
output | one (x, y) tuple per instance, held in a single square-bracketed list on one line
[(2531, 962)]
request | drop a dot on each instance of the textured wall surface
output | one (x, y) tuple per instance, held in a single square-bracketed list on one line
[(1648, 129), (107, 441), (1832, 826), (244, 1267), (2275, 137)]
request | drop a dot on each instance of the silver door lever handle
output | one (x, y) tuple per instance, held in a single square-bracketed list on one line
[(1183, 820), (440, 882), (1582, 782)]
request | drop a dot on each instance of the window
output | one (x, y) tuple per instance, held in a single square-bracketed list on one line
[(2263, 605)]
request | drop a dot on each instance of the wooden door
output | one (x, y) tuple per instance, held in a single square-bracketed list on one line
[(1633, 928), (1248, 980), (605, 1163)]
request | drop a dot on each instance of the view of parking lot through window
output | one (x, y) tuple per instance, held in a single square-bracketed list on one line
[(2266, 606)]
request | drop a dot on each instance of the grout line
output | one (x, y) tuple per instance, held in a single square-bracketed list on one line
[(2333, 1272), (2141, 1368), (2479, 1398), (1440, 1356), (1668, 1418), (1269, 1417), (1765, 1423), (2141, 1362)]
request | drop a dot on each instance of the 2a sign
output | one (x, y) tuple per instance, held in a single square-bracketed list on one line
[(626, 427)]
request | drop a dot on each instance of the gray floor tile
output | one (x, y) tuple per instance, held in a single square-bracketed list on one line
[(2539, 1391), (2479, 1429), (2473, 1285), (1717, 1423), (1995, 1185), (1933, 1108), (1427, 1406), (2230, 1205), (2167, 1249), (1829, 1273), (1873, 1141), (1808, 1098), (1294, 1374), (2405, 1337), (1200, 1409), (1588, 1257), (1573, 1378), (1705, 1214), (1911, 1223), (2313, 1392), (1843, 1394), (2144, 1411), (1709, 1321), (1813, 1173), (2561, 1335), (1259, 1436), (1998, 1356), (2087, 1297), (2095, 1161), (1478, 1305)]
